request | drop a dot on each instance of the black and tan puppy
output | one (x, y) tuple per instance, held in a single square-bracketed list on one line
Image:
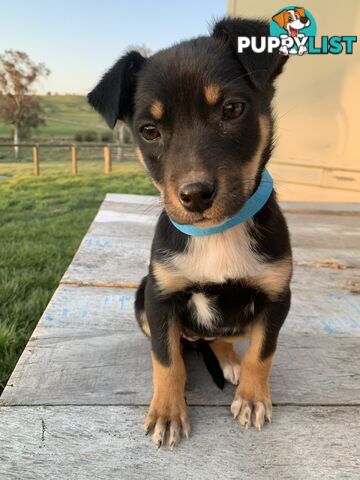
[(201, 117)]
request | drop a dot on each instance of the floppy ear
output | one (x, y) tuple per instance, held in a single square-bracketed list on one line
[(263, 67), (300, 11), (113, 96), (281, 18)]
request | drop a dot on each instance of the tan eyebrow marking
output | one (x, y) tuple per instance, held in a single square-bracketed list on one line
[(157, 109), (212, 93)]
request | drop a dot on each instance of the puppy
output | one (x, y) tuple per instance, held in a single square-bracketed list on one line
[(292, 20), (221, 262)]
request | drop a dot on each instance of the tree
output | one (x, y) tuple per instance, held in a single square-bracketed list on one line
[(18, 107)]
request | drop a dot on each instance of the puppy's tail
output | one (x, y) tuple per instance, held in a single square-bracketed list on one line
[(211, 362)]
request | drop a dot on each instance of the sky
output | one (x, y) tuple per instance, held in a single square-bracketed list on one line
[(79, 40)]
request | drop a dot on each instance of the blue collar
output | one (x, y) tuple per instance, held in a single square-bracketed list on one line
[(255, 203)]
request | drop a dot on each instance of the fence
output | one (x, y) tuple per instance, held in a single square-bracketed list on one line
[(304, 174), (108, 152)]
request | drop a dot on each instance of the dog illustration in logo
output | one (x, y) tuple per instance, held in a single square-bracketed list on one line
[(292, 20)]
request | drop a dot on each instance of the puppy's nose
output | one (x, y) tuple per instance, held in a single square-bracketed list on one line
[(197, 197), (304, 20)]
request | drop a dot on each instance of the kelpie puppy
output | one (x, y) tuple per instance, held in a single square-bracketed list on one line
[(221, 260)]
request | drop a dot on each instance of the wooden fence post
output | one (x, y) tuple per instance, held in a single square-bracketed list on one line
[(36, 160), (121, 141), (107, 159), (74, 159)]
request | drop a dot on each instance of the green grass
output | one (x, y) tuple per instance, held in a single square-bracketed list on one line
[(42, 221), (65, 115)]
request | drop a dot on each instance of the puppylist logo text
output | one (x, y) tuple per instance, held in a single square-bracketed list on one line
[(293, 31)]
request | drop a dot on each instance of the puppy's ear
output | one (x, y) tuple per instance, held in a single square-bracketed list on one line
[(113, 96), (262, 68), (300, 11), (281, 18)]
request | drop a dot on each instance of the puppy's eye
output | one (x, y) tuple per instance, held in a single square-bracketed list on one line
[(149, 132), (232, 110)]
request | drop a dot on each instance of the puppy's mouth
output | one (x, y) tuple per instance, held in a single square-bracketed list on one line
[(216, 215), (207, 222), (228, 201), (185, 218), (293, 32)]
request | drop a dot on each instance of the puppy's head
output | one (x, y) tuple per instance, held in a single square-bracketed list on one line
[(201, 118), (292, 20)]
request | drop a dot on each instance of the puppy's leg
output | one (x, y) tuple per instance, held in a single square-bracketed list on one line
[(252, 401), (140, 313), (168, 410), (228, 358)]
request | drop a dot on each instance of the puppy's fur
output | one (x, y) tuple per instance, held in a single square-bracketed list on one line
[(205, 113)]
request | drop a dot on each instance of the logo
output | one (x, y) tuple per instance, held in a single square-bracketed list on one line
[(293, 32), (294, 26)]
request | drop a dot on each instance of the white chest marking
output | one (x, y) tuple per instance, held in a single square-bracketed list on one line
[(205, 312), (219, 257)]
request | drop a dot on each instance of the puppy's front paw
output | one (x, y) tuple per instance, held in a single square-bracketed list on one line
[(231, 371), (251, 412), (302, 50), (229, 360), (167, 419)]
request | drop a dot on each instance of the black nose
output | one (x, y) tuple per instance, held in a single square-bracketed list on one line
[(304, 20), (197, 197)]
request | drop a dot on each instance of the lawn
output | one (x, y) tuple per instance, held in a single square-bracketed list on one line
[(42, 221), (64, 115)]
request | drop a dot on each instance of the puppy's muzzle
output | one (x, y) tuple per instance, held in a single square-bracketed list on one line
[(197, 197)]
